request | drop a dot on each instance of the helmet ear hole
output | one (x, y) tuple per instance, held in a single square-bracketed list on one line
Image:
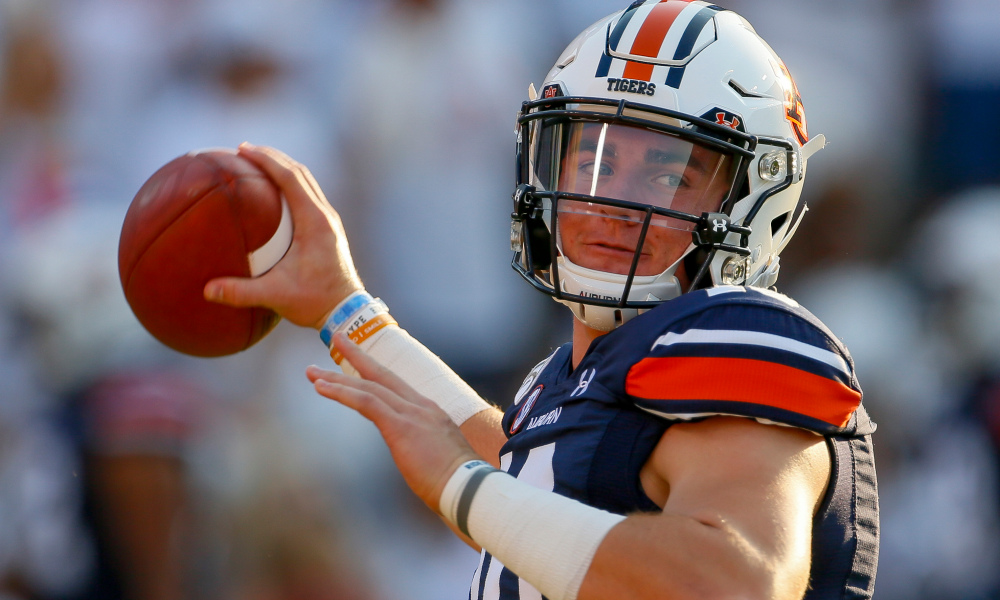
[(778, 222), (692, 264), (539, 242)]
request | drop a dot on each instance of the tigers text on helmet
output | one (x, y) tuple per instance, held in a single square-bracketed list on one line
[(665, 153)]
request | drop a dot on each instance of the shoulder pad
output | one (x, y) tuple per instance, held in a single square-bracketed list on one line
[(747, 352)]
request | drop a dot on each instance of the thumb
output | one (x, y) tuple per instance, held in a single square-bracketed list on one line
[(234, 291)]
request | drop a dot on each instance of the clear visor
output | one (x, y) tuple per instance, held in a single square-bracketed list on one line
[(623, 170), (632, 164)]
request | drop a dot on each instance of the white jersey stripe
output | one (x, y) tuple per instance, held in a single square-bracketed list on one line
[(526, 591), (491, 591), (537, 471), (474, 589), (754, 338), (724, 289)]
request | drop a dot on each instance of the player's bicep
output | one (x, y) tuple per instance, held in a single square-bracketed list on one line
[(760, 485), (762, 362)]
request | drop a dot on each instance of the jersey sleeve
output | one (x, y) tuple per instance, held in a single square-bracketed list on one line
[(757, 358)]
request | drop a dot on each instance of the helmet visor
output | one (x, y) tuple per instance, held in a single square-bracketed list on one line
[(630, 164)]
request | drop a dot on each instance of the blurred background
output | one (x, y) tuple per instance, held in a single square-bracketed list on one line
[(128, 471)]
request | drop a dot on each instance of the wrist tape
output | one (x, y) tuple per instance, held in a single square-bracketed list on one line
[(545, 538), (367, 322)]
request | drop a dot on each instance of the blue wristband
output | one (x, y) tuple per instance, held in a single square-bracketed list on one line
[(342, 313)]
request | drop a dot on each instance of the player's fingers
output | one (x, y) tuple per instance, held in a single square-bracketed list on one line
[(235, 291), (390, 401), (289, 174), (391, 398), (369, 405), (290, 163)]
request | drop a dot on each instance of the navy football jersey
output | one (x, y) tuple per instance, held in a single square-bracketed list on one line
[(585, 433)]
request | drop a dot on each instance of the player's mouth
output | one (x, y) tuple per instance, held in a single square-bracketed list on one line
[(609, 256), (611, 248)]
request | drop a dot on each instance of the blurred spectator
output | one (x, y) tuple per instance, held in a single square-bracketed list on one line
[(32, 168), (954, 256), (229, 478), (430, 151), (962, 53)]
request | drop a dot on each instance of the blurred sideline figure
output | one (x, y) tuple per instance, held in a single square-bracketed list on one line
[(421, 167), (115, 460), (702, 435), (125, 417)]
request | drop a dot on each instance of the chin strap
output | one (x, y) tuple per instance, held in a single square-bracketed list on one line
[(712, 229), (710, 235)]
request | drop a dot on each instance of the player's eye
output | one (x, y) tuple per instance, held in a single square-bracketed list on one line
[(587, 168), (670, 180)]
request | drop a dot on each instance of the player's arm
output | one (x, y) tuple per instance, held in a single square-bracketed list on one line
[(484, 433), (738, 502), (317, 274)]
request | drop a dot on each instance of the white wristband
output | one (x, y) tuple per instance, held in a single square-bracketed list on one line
[(378, 334), (545, 538), (457, 495)]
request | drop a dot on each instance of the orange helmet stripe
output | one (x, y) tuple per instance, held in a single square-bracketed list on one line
[(651, 35)]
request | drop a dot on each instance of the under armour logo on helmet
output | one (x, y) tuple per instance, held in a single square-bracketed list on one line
[(719, 225), (734, 123)]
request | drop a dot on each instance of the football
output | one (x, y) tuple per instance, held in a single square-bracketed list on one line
[(203, 215)]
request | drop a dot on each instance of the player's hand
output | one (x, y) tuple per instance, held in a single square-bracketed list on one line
[(317, 272), (426, 446)]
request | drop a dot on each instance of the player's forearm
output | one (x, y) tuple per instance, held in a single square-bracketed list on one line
[(679, 557), (366, 321), (484, 433), (572, 551)]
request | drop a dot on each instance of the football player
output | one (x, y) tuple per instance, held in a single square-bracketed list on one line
[(702, 436)]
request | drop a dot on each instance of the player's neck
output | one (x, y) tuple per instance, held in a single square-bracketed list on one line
[(582, 338)]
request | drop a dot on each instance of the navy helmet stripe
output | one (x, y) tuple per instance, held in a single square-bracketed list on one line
[(616, 36), (688, 38)]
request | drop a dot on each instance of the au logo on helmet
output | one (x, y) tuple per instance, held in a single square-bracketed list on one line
[(553, 90), (794, 111)]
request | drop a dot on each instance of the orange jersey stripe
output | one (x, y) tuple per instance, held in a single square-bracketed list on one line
[(650, 37), (743, 380)]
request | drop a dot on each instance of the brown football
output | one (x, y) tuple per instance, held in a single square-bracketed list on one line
[(203, 215)]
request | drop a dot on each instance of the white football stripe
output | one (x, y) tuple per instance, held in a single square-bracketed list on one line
[(263, 258), (754, 338)]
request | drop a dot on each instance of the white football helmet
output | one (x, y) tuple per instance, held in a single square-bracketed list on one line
[(665, 153)]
